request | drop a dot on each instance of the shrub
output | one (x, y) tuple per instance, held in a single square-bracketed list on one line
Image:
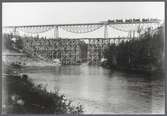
[(26, 97)]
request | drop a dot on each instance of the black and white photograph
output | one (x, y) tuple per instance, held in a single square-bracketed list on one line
[(83, 57)]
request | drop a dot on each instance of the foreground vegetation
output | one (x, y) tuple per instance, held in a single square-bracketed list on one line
[(144, 54), (23, 96)]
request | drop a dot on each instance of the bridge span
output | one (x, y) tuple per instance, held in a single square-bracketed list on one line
[(130, 26), (75, 51)]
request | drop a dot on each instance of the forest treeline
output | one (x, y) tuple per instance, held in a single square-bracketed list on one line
[(143, 54)]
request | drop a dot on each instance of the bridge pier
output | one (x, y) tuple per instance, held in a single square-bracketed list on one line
[(105, 31), (96, 50), (56, 32)]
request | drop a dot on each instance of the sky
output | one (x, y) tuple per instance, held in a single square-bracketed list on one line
[(77, 12)]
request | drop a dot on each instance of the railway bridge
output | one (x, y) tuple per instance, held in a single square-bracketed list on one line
[(75, 50)]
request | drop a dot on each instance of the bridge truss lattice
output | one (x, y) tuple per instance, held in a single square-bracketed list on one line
[(130, 26)]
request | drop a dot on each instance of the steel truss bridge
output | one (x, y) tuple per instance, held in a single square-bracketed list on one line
[(68, 50)]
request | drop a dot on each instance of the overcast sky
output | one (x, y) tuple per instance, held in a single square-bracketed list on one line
[(77, 12)]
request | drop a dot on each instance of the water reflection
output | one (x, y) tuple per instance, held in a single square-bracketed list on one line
[(100, 90)]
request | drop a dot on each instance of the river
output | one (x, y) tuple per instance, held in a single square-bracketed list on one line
[(102, 91)]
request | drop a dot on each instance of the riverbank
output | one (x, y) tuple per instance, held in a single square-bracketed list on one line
[(24, 97), (133, 70), (19, 58)]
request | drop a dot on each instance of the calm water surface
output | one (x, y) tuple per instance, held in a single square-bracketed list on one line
[(101, 90)]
